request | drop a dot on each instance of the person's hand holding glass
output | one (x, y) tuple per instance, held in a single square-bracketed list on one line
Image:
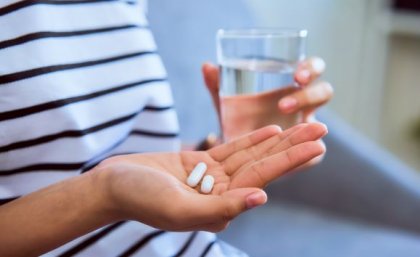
[(263, 78)]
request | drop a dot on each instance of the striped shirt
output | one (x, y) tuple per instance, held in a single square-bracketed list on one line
[(81, 81)]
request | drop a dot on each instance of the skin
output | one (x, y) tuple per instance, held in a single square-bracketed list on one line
[(151, 188), (310, 95)]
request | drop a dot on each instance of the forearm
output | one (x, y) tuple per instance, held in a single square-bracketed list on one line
[(46, 219)]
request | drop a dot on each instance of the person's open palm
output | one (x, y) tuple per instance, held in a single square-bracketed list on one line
[(152, 187)]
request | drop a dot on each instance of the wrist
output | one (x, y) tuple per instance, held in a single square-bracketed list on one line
[(104, 202)]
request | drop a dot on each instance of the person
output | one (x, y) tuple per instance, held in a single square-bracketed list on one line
[(89, 152)]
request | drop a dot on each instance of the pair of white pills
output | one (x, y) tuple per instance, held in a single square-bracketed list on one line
[(197, 174)]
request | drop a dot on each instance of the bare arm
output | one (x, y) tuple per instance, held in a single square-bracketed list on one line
[(48, 218), (151, 188)]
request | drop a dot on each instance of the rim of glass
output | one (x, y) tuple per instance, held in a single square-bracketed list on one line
[(261, 33)]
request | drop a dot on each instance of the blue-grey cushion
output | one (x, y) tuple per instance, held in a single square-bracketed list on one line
[(357, 178)]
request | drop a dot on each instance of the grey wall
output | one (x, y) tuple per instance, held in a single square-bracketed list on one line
[(350, 36)]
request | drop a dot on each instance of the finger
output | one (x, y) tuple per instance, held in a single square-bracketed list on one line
[(293, 136), (312, 162), (291, 130), (205, 209), (221, 152), (309, 70), (256, 152), (262, 172), (311, 132), (211, 79), (309, 97)]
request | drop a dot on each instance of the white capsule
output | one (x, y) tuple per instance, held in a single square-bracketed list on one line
[(207, 184), (196, 174)]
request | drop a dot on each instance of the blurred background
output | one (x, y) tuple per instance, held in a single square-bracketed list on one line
[(372, 49), (364, 199)]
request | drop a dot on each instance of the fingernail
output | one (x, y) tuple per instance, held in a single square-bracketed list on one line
[(318, 65), (288, 103), (255, 199)]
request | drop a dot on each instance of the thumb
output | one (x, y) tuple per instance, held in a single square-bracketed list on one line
[(246, 198), (225, 207), (211, 79)]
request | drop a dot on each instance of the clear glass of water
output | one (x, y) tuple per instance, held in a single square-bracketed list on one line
[(257, 69)]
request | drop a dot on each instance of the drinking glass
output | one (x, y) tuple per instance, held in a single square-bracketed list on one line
[(257, 69)]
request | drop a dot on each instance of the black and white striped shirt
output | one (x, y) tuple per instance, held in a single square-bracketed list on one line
[(81, 81)]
